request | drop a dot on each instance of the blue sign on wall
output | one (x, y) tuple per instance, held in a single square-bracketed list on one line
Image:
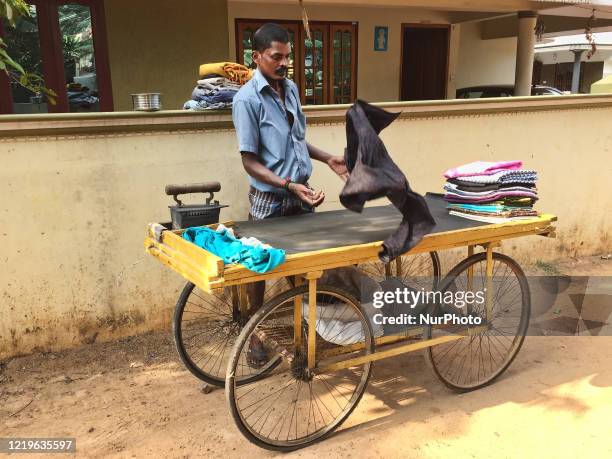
[(381, 36)]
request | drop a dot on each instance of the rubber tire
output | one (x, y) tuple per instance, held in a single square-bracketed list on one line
[(523, 326), (240, 342)]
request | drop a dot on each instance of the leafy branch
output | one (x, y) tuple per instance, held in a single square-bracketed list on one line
[(11, 10)]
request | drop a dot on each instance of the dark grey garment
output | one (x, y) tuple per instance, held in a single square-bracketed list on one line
[(373, 174), (475, 186)]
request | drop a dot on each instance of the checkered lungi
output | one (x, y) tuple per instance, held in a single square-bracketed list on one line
[(267, 205)]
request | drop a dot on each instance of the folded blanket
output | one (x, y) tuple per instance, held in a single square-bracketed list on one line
[(199, 105), (214, 97), (482, 168), (235, 72), (218, 83)]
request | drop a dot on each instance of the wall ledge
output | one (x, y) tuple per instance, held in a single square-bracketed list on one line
[(180, 120)]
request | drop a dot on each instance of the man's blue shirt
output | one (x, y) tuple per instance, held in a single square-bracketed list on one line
[(262, 127)]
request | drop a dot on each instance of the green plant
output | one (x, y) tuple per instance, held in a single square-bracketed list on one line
[(11, 11)]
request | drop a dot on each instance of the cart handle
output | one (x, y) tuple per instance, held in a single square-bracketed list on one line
[(204, 187)]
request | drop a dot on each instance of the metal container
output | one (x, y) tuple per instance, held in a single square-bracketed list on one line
[(148, 101), (186, 216)]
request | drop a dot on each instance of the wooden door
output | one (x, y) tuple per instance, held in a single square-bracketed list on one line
[(424, 62)]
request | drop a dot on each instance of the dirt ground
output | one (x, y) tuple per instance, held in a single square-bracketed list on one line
[(133, 398)]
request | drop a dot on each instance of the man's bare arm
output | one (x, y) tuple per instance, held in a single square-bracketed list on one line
[(336, 163), (259, 172), (317, 153)]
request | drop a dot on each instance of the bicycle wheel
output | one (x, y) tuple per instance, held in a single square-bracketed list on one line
[(481, 356), (421, 270), (205, 327), (292, 406)]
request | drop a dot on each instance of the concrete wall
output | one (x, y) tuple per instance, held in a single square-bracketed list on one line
[(484, 62), (74, 208), (378, 73), (158, 46)]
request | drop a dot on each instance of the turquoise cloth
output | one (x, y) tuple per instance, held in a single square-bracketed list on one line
[(231, 250)]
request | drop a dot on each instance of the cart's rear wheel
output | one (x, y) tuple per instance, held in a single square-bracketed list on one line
[(481, 356), (291, 406), (205, 328), (421, 270)]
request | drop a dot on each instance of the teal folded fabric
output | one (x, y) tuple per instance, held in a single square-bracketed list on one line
[(257, 258), (486, 207)]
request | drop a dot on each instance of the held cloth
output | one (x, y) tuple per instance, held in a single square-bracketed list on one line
[(373, 174)]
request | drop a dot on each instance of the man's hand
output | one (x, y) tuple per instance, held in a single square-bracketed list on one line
[(307, 195), (337, 164)]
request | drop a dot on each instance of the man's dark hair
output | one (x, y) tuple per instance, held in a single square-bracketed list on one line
[(266, 34)]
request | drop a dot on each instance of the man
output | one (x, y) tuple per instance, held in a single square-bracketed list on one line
[(271, 128)]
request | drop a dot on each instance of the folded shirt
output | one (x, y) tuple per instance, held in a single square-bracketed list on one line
[(482, 168), (506, 176), (486, 186), (488, 218), (492, 196), (500, 213), (507, 203), (495, 206), (452, 188)]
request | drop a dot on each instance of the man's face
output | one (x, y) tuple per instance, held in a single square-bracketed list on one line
[(274, 61)]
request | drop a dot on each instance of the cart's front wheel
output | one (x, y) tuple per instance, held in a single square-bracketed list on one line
[(294, 405), (486, 349)]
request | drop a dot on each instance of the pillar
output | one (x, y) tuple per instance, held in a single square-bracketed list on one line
[(576, 70), (525, 52)]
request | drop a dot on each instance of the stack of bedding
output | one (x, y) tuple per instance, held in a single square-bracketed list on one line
[(217, 86)]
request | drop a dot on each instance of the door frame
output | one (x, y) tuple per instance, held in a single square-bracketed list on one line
[(419, 25)]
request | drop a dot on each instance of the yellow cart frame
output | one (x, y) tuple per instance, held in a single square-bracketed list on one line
[(208, 271)]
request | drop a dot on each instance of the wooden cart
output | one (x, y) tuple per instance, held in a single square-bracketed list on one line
[(320, 353)]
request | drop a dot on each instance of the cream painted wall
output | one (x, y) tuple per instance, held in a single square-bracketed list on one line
[(74, 209), (607, 67), (378, 72), (484, 62), (158, 46)]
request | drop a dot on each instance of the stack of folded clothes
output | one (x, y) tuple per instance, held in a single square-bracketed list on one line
[(492, 192), (217, 86)]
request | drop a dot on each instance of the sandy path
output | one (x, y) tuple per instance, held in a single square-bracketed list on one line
[(133, 398)]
